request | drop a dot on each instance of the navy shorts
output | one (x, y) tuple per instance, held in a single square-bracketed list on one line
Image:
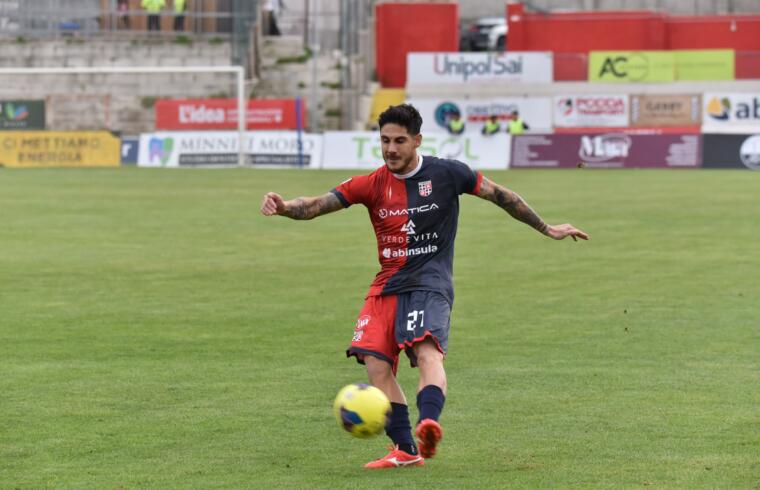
[(388, 324)]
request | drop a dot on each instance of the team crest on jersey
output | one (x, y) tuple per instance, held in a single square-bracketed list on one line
[(426, 188)]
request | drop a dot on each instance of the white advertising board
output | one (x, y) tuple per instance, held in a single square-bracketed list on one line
[(220, 148), (361, 150), (731, 109), (585, 111), (535, 111), (460, 68)]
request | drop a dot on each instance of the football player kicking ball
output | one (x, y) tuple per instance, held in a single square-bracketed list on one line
[(413, 204)]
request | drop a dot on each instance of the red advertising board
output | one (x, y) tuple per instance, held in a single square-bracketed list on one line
[(190, 114)]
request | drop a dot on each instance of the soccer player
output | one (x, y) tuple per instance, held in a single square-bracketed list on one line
[(413, 203)]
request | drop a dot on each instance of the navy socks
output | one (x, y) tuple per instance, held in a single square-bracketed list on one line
[(400, 430), (430, 402)]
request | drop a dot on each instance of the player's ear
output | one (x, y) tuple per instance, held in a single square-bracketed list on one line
[(417, 140)]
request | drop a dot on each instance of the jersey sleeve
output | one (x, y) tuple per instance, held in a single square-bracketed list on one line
[(352, 191), (466, 179)]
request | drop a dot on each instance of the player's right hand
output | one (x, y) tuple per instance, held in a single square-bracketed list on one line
[(272, 204)]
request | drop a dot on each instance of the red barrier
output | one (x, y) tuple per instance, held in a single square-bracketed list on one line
[(739, 32), (582, 32), (572, 35), (404, 28), (192, 114)]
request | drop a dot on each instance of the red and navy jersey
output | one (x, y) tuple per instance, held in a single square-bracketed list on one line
[(415, 222)]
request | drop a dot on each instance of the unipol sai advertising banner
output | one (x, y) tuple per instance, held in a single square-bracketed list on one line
[(666, 110), (535, 111), (203, 114), (345, 149), (731, 109), (220, 148), (610, 150), (461, 68), (591, 111)]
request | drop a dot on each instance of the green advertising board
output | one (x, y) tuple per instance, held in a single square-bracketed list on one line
[(22, 114), (631, 66), (704, 64)]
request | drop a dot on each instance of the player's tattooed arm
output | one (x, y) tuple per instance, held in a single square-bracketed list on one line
[(519, 209), (301, 207), (512, 203)]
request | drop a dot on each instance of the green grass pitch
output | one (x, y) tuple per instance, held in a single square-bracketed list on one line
[(157, 332)]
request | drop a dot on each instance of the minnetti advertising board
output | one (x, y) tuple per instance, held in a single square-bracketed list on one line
[(362, 149), (731, 151), (610, 150), (666, 110), (214, 148), (460, 68), (535, 111), (202, 114), (591, 110)]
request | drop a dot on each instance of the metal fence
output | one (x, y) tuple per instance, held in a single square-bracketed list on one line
[(51, 18)]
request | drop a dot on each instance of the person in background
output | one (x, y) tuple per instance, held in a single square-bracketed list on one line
[(271, 9), (516, 124), (179, 14), (154, 8), (122, 9), (491, 126), (455, 124)]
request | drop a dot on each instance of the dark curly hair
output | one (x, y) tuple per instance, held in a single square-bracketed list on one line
[(404, 115)]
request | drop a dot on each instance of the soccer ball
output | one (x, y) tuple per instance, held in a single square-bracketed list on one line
[(362, 410)]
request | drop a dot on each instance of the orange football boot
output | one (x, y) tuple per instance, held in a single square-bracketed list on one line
[(429, 434), (396, 459)]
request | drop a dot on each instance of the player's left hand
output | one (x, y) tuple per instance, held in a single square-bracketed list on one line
[(558, 232)]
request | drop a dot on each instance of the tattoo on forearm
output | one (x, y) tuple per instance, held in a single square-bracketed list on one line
[(311, 207), (512, 203)]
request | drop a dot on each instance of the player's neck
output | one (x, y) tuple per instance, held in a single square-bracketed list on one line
[(414, 167)]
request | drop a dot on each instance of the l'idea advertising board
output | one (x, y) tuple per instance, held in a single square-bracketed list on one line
[(220, 148), (362, 149)]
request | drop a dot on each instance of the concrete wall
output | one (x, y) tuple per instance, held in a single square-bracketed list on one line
[(104, 101)]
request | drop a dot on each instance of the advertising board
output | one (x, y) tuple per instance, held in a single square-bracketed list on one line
[(666, 110), (535, 111), (59, 149), (591, 110), (704, 64), (220, 148), (461, 68), (343, 149), (731, 109), (22, 114), (610, 150), (731, 151), (631, 66), (196, 114)]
